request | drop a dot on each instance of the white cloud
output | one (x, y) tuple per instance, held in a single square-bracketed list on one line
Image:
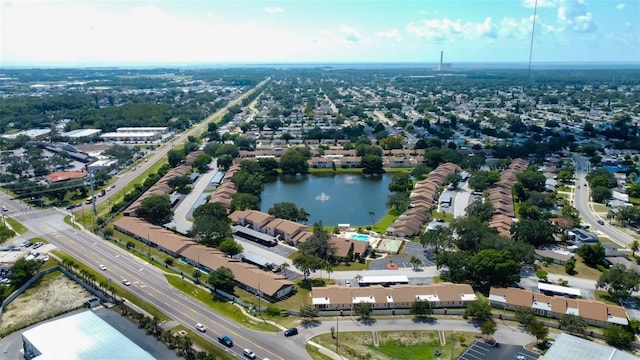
[(573, 14), (541, 3), (350, 34), (620, 6), (274, 10), (392, 33), (445, 29)]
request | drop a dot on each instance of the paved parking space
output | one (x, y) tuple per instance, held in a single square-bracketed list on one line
[(481, 351)]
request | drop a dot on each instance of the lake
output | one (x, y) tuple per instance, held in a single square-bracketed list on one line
[(331, 198)]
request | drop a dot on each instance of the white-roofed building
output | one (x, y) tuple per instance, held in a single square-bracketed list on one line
[(82, 133), (569, 347), (80, 336)]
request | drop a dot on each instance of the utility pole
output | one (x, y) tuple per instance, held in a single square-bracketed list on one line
[(93, 195), (337, 334)]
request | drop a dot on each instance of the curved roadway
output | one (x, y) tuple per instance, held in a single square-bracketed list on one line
[(581, 203)]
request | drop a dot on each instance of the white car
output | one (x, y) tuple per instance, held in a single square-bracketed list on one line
[(102, 267), (126, 282), (201, 327), (248, 353)]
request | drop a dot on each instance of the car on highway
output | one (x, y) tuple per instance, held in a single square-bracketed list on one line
[(4, 208), (126, 282), (601, 222), (291, 331), (102, 267), (249, 354), (201, 327), (225, 340), (521, 357)]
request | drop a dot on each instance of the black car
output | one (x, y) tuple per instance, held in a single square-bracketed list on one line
[(225, 340), (291, 331)]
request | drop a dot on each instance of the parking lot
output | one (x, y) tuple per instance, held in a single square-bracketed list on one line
[(481, 351)]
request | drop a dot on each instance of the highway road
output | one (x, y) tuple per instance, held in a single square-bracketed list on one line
[(128, 176), (581, 203), (150, 285)]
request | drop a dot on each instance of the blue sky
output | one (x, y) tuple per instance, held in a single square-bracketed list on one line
[(129, 32)]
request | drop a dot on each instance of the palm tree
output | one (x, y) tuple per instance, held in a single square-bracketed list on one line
[(371, 213), (415, 261), (284, 266), (196, 275), (358, 278), (328, 267), (635, 246)]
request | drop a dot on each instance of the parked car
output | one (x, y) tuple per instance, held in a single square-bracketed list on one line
[(26, 243), (225, 340), (249, 354), (291, 331), (37, 245)]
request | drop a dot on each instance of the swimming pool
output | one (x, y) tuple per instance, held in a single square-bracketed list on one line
[(360, 237)]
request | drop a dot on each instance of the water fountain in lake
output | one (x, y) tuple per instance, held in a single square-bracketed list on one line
[(323, 197)]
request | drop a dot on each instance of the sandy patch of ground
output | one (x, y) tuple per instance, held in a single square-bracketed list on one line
[(53, 295)]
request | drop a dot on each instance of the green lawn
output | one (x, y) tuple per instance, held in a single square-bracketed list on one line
[(582, 270), (15, 225), (222, 307), (398, 345), (602, 295)]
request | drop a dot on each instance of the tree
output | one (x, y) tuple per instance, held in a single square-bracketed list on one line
[(372, 164), (328, 267), (537, 329), (440, 238), (532, 180), (244, 201), (294, 162), (398, 202), (23, 270), (363, 309), (284, 210), (479, 309), (635, 245), (600, 194), (230, 247), (415, 261), (481, 210), (309, 312), (225, 161), (222, 278), (592, 254), (490, 267), (201, 163), (488, 327), (619, 281), (453, 179), (400, 183), (307, 263), (196, 275), (570, 266), (573, 323), (421, 308), (534, 232), (156, 209), (524, 315), (542, 275), (175, 157), (618, 336), (284, 266)]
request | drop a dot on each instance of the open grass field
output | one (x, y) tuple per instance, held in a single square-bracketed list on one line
[(397, 345), (52, 295), (15, 225), (582, 270)]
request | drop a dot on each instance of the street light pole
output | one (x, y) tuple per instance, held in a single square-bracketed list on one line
[(337, 334)]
